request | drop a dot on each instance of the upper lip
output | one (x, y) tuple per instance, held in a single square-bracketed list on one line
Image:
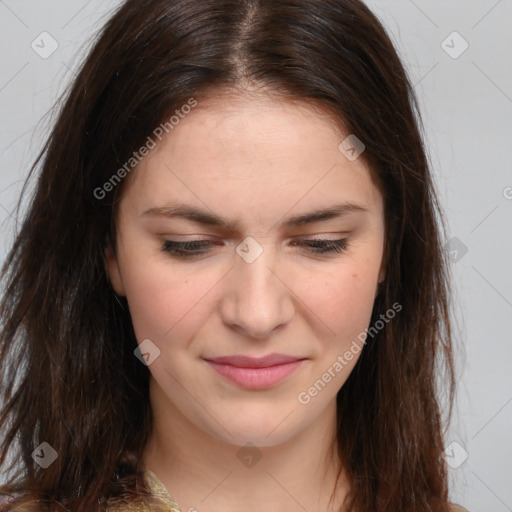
[(255, 362)]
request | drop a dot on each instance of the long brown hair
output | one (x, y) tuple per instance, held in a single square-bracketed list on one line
[(70, 377)]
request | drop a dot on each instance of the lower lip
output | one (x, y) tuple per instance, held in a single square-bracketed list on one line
[(256, 378)]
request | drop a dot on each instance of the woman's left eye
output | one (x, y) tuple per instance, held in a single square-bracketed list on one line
[(197, 247), (325, 246)]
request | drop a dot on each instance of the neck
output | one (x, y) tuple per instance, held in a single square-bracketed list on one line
[(202, 472)]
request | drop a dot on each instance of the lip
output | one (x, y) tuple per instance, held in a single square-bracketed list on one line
[(255, 373)]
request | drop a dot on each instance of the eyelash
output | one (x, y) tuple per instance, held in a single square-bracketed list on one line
[(178, 249)]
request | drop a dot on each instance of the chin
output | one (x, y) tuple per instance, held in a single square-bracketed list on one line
[(270, 429)]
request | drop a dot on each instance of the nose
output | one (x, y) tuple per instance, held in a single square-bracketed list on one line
[(257, 300)]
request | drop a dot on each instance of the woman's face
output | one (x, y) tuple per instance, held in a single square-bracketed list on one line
[(240, 178)]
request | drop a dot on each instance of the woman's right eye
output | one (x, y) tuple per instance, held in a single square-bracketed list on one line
[(186, 249)]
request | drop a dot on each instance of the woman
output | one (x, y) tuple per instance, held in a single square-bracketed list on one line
[(229, 290)]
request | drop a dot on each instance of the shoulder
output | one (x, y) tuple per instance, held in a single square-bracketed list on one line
[(457, 508), (8, 504)]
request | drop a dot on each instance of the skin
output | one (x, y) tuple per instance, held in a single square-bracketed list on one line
[(256, 160)]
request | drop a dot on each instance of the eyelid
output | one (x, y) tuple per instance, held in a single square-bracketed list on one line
[(215, 239), (323, 236)]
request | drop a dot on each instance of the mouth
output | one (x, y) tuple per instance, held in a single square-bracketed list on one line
[(255, 373)]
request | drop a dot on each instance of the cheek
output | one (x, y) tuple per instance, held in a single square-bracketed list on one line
[(342, 301), (163, 301)]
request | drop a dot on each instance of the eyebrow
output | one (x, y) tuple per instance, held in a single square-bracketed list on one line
[(207, 218)]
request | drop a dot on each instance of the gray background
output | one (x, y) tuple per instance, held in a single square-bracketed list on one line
[(467, 108)]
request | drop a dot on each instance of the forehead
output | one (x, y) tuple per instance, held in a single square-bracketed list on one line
[(253, 152), (255, 119)]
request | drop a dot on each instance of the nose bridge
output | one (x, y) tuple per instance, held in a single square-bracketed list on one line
[(258, 301)]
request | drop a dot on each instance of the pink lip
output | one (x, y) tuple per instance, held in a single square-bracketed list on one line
[(255, 373)]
